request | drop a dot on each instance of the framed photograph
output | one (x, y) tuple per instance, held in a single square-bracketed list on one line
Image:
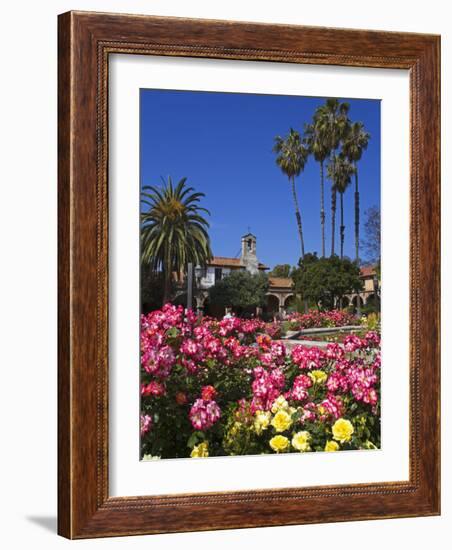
[(248, 275)]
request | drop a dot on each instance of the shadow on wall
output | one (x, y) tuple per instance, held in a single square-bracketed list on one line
[(49, 523)]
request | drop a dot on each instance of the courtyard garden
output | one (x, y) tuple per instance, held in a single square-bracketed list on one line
[(231, 387)]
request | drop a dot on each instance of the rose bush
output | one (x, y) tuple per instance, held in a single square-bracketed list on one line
[(321, 319), (213, 388)]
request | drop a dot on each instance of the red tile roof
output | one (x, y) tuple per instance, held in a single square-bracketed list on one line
[(284, 282), (222, 261), (367, 271)]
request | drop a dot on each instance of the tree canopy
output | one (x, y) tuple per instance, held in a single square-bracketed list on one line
[(281, 270), (240, 289), (326, 280)]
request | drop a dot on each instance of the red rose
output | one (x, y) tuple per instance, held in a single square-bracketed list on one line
[(208, 393), (153, 388)]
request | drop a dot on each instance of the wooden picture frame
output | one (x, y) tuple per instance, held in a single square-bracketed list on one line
[(86, 40)]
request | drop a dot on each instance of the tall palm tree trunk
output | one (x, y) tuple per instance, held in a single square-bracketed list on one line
[(167, 278), (298, 216), (342, 228), (322, 207), (333, 217), (356, 217)]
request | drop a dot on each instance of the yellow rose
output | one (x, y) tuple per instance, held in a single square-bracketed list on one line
[(331, 446), (300, 441), (279, 443), (342, 430), (318, 376), (281, 421), (279, 404), (261, 421), (200, 451)]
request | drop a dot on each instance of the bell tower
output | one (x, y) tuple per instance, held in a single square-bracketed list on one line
[(249, 258)]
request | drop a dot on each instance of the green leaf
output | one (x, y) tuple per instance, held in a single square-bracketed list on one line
[(195, 438), (173, 332)]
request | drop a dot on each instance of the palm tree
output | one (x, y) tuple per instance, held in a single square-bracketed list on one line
[(355, 142), (317, 144), (332, 120), (340, 171), (173, 230), (291, 158)]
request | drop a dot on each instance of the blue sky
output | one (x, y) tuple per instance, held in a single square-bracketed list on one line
[(222, 143)]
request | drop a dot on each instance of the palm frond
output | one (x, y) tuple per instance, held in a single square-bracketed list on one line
[(173, 227)]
